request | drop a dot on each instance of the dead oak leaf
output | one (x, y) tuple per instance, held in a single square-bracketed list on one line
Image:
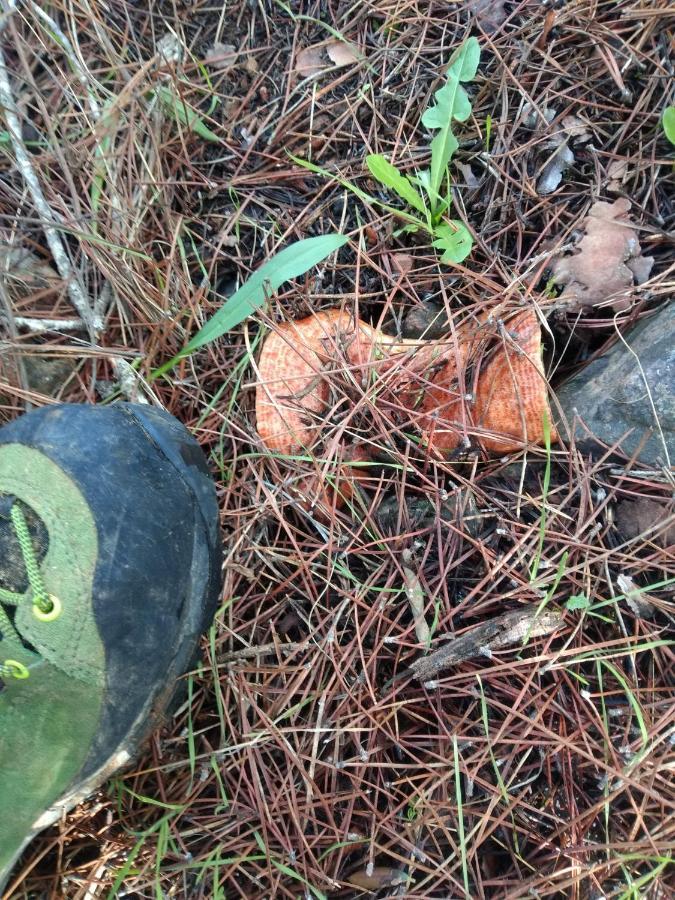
[(607, 263), (554, 168), (375, 878), (341, 54), (576, 129), (321, 58), (572, 130), (645, 517)]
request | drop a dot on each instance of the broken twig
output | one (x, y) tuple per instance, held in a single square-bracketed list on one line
[(509, 628)]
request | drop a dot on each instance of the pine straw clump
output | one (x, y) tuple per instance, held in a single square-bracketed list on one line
[(297, 763)]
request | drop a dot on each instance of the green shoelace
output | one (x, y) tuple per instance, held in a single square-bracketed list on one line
[(45, 607)]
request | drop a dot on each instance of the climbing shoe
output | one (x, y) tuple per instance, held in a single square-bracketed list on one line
[(110, 565)]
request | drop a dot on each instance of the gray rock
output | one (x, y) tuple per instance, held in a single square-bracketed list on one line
[(610, 397)]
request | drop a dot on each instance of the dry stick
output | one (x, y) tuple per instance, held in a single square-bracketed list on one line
[(75, 291), (260, 650), (37, 326), (509, 628), (130, 383)]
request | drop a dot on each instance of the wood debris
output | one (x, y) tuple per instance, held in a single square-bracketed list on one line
[(221, 57), (510, 628)]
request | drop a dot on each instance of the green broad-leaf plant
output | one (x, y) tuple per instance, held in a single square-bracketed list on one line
[(428, 193)]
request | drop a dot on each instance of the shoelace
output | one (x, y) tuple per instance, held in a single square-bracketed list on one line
[(45, 606)]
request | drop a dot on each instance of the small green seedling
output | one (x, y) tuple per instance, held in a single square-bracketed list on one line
[(668, 121), (577, 601), (428, 193)]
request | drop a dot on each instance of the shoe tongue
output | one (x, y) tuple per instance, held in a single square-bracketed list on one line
[(13, 575)]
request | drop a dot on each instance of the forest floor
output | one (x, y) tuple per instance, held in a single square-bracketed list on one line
[(298, 765)]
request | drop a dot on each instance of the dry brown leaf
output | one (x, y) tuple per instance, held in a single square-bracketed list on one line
[(489, 14), (221, 56), (654, 518), (470, 179), (402, 262), (576, 129), (555, 164), (321, 58), (376, 878), (638, 602), (427, 319), (341, 54), (310, 61), (554, 168), (608, 262), (617, 175), (415, 594)]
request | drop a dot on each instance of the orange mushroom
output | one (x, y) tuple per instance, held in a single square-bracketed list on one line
[(509, 405)]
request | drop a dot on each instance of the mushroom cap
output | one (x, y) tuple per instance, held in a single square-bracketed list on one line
[(496, 394), (505, 404)]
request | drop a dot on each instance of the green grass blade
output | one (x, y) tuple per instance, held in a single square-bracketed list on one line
[(388, 175), (632, 699), (315, 892), (460, 817), (291, 262)]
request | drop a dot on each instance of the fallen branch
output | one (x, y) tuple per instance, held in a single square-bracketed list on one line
[(261, 650), (510, 628), (131, 383), (37, 326)]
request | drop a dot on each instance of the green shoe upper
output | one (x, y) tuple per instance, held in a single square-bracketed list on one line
[(63, 633), (52, 666), (110, 571)]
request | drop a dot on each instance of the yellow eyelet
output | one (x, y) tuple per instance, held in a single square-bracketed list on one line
[(51, 614), (20, 671)]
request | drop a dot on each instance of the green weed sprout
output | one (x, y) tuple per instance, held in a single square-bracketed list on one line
[(428, 193), (668, 122)]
